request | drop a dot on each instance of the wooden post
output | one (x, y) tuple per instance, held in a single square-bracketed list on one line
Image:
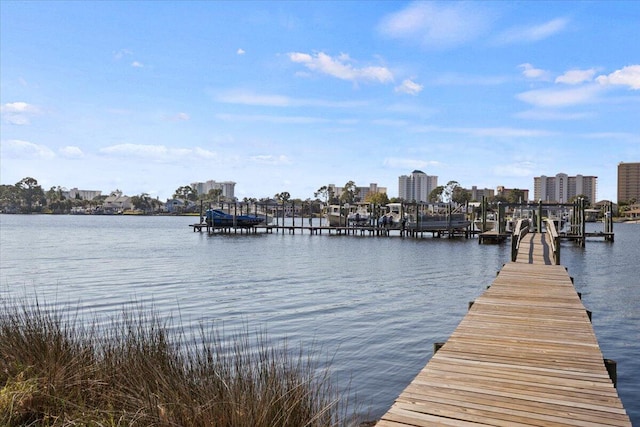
[(583, 231), (484, 213), (539, 219)]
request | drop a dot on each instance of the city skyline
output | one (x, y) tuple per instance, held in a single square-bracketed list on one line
[(284, 96)]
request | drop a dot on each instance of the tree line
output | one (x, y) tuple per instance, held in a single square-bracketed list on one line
[(27, 196)]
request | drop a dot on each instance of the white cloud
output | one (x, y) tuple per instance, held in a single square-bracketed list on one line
[(179, 117), (18, 107), (627, 76), (574, 77), (156, 152), (271, 160), (502, 132), (16, 148), (272, 100), (201, 153), (531, 72), (437, 25), (409, 87), (240, 52), (137, 64), (71, 152), (16, 119), (522, 169), (341, 67), (457, 79), (495, 132), (390, 122), (18, 113), (398, 163), (533, 33), (270, 118), (251, 98), (551, 115), (122, 53), (560, 97)]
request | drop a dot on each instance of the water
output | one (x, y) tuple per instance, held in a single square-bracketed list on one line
[(374, 305)]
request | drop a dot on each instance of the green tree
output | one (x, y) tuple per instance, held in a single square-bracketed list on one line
[(282, 197), (460, 195), (143, 202), (30, 193), (349, 193), (324, 193), (436, 194), (380, 199), (186, 192), (214, 194), (9, 198), (516, 196)]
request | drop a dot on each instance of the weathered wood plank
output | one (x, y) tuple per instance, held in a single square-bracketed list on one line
[(525, 354)]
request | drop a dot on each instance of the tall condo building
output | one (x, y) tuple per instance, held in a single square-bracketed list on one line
[(416, 186), (628, 182), (361, 192), (227, 187), (562, 187)]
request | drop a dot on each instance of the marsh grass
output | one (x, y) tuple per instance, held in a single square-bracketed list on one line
[(134, 371)]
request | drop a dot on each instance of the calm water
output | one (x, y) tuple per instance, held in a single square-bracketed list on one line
[(376, 305)]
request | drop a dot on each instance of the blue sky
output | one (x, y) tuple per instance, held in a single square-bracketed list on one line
[(290, 96)]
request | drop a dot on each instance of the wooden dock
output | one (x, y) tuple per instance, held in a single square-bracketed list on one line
[(343, 230), (524, 355)]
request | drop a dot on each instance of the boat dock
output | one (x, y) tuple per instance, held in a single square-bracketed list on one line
[(375, 226), (525, 354), (330, 230)]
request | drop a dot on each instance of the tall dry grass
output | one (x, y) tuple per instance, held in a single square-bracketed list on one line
[(133, 371)]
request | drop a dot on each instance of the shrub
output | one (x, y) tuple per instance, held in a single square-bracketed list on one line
[(132, 371)]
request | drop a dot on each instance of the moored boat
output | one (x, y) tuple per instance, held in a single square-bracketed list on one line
[(347, 215), (219, 218), (436, 220)]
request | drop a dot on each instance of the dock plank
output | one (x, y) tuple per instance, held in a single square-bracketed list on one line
[(525, 354)]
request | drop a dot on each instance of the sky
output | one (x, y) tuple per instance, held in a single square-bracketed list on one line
[(148, 96)]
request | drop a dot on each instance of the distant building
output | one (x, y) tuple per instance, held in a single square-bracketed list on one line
[(179, 206), (74, 193), (506, 193), (477, 193), (117, 202), (628, 182), (227, 187), (361, 192), (562, 188), (416, 187)]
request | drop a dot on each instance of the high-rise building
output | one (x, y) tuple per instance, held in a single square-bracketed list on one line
[(361, 192), (562, 188), (628, 182), (227, 187), (478, 193), (416, 187), (74, 193)]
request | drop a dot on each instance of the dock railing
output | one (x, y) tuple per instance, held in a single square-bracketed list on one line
[(521, 229), (554, 239)]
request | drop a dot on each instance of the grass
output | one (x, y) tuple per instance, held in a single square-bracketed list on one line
[(132, 371)]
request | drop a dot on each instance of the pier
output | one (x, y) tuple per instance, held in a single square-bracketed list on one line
[(525, 354), (537, 214)]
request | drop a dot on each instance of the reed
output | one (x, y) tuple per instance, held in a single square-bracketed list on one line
[(134, 370)]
